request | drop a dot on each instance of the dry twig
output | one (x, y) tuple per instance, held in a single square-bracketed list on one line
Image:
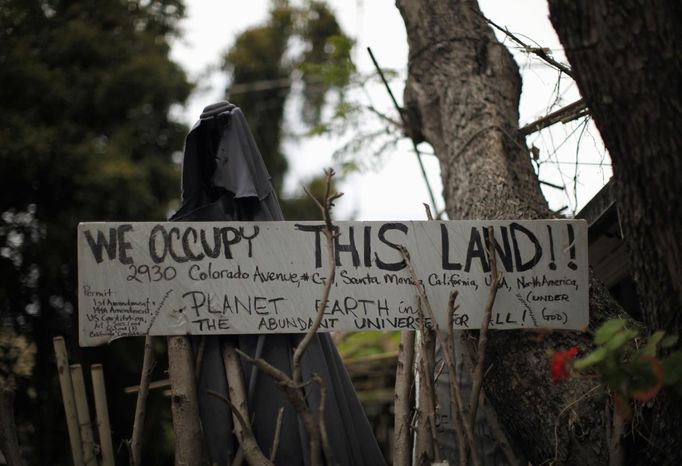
[(406, 126), (135, 443), (483, 335), (402, 451), (297, 399), (538, 51), (238, 404), (451, 364), (328, 456), (427, 440), (565, 114), (278, 431), (245, 436), (456, 403), (293, 386), (330, 235)]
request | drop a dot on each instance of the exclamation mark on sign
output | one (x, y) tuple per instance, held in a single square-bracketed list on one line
[(571, 247), (552, 264)]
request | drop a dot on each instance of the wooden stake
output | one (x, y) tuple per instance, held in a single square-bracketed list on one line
[(184, 404), (83, 412), (102, 414), (68, 399), (402, 444)]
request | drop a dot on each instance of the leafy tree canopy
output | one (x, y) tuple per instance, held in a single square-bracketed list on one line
[(85, 91), (299, 48)]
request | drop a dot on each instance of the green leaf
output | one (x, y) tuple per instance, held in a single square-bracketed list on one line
[(650, 348), (591, 359), (619, 339), (672, 368), (669, 341), (608, 330)]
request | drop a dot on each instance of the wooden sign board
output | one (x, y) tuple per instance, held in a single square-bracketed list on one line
[(267, 277)]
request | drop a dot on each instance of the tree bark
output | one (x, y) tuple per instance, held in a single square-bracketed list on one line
[(627, 62), (462, 95)]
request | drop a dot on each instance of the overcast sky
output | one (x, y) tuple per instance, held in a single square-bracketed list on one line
[(396, 190)]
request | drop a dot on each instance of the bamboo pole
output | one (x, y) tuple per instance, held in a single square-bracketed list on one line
[(62, 360), (83, 412), (102, 413)]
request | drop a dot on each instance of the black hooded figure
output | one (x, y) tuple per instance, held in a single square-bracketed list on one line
[(223, 179)]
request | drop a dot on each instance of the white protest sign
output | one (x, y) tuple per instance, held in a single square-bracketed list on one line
[(267, 277)]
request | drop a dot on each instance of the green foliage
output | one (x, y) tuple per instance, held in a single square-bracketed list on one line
[(85, 92), (263, 66), (362, 344), (629, 365), (17, 357)]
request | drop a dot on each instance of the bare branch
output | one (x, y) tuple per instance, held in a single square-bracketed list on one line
[(429, 215), (448, 354), (384, 117), (402, 451), (565, 114), (141, 404), (456, 403), (297, 399), (292, 386), (331, 261), (483, 335), (538, 51), (278, 431), (405, 126), (238, 404), (329, 457), (426, 370)]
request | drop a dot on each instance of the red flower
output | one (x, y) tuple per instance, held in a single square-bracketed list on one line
[(559, 365)]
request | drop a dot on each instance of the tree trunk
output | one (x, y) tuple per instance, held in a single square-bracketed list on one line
[(462, 95), (627, 61)]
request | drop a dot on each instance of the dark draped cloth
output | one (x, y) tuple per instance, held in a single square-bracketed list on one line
[(224, 179)]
